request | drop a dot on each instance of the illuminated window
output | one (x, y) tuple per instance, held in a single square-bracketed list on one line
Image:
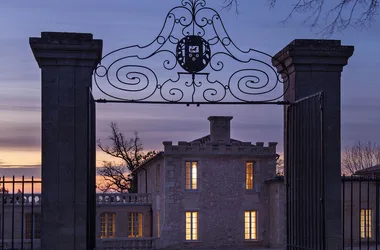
[(135, 225), (191, 175), (107, 225), (191, 225), (158, 179), (249, 175), (250, 225), (158, 223), (365, 223), (32, 226)]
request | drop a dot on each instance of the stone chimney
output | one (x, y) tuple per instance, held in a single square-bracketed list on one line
[(220, 129)]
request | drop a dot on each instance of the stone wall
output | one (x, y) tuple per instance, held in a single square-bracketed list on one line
[(157, 191), (220, 208), (121, 219), (221, 197), (277, 211)]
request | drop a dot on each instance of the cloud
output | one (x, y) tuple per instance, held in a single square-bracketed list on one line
[(19, 166), (20, 135), (19, 171)]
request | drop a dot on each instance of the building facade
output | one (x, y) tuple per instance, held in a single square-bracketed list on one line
[(212, 192)]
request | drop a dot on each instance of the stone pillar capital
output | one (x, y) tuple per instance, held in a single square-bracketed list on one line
[(312, 55), (66, 49)]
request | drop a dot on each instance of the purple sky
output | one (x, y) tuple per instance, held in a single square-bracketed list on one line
[(120, 23)]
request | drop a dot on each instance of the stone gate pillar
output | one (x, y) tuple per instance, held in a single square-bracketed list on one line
[(314, 66), (67, 61)]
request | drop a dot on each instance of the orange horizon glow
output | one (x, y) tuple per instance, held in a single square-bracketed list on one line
[(27, 187), (28, 157)]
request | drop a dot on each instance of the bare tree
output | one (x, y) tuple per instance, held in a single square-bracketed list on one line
[(119, 177), (3, 189), (360, 156), (280, 167), (229, 4), (337, 17)]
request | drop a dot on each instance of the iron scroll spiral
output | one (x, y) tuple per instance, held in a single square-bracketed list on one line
[(192, 60)]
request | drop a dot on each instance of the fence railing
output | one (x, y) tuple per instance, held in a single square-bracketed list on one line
[(125, 243), (125, 198), (360, 213), (19, 213), (20, 199)]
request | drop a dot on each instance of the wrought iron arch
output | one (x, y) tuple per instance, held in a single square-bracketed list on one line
[(200, 64)]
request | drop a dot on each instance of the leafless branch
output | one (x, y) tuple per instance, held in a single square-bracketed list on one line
[(119, 177), (230, 4), (343, 14), (280, 167), (360, 156)]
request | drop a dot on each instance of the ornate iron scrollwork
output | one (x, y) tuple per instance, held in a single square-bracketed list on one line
[(194, 39)]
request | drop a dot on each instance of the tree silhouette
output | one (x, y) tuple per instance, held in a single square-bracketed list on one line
[(118, 177), (360, 156), (337, 16)]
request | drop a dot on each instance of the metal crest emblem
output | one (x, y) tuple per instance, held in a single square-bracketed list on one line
[(193, 53)]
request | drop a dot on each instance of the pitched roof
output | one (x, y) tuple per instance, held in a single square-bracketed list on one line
[(207, 138), (149, 160), (373, 169)]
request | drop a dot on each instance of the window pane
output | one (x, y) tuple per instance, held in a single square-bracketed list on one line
[(253, 225), (249, 175), (366, 223), (194, 176), (135, 225), (158, 223), (140, 224), (188, 175), (191, 175), (132, 225), (250, 225), (112, 230), (191, 226), (195, 225), (188, 226), (107, 225)]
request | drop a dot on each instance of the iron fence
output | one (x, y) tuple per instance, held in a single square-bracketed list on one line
[(20, 213), (304, 175), (360, 213)]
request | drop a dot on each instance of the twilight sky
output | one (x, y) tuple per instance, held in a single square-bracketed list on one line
[(125, 22)]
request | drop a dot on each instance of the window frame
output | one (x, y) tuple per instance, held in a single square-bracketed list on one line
[(189, 184), (135, 217), (253, 236), (365, 223), (158, 177), (252, 177), (109, 218), (158, 223), (194, 237)]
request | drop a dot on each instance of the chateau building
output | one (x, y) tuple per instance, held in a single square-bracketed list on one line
[(212, 192)]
